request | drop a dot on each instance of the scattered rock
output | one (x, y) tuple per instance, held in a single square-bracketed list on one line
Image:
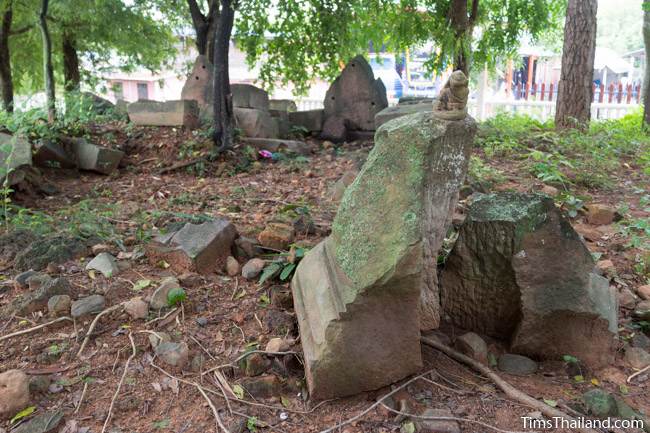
[(263, 386), (104, 263), (37, 299), (599, 403), (247, 248), (252, 268), (474, 346), (196, 365), (278, 345), (201, 321), (637, 357), (600, 214), (57, 249), (157, 338), (97, 249), (95, 158), (606, 267), (519, 272), (640, 340), (59, 305), (42, 423), (516, 365), (279, 145), (627, 299), (281, 298), (20, 280), (88, 305), (642, 310), (232, 266), (437, 426), (277, 236), (174, 354), (644, 291), (190, 279), (137, 308), (14, 393), (37, 281), (201, 248), (170, 113), (51, 154), (159, 297), (40, 383), (550, 190), (255, 364)]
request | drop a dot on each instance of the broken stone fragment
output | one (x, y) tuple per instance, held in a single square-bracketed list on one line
[(56, 249), (516, 364), (89, 305), (232, 266), (48, 153), (266, 386), (59, 305), (15, 393), (170, 113), (201, 248), (277, 235), (279, 145), (474, 346), (160, 295), (174, 354), (36, 300), (104, 263), (89, 156), (15, 157), (253, 268), (356, 293), (600, 214), (637, 357), (137, 308), (440, 425), (42, 423), (519, 272)]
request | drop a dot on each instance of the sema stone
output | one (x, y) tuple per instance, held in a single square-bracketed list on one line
[(198, 86), (279, 145), (89, 305), (286, 105), (356, 293), (14, 393), (104, 263), (94, 158), (170, 113), (390, 113), (257, 123), (249, 96), (356, 96), (519, 272), (15, 157), (311, 120), (201, 248)]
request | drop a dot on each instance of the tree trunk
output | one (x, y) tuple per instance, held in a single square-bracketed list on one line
[(573, 107), (204, 27), (70, 63), (463, 26), (48, 70), (646, 78), (6, 81), (223, 111)]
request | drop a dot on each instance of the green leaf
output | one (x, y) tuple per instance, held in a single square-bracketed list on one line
[(286, 272), (407, 427), (141, 284), (251, 424), (240, 294), (162, 424), (176, 296), (285, 401), (264, 299), (22, 414), (579, 378), (570, 359), (551, 403), (238, 391), (269, 272)]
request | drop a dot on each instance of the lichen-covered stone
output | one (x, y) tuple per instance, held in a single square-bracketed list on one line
[(357, 293), (57, 249), (519, 271)]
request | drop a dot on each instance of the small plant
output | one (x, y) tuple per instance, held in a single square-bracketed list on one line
[(547, 167), (284, 267), (176, 296), (479, 172), (571, 204)]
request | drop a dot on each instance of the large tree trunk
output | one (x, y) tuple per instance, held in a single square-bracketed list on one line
[(646, 78), (573, 107), (223, 111), (205, 27), (70, 63), (6, 81), (48, 70), (463, 25)]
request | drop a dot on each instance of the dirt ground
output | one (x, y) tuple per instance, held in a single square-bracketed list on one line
[(232, 315)]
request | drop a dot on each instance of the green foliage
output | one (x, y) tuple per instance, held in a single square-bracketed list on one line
[(570, 204), (547, 167), (176, 296), (479, 172)]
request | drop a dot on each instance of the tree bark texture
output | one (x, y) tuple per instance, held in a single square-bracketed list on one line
[(71, 73), (223, 111), (575, 92), (646, 78), (205, 27), (463, 25), (48, 70), (6, 81)]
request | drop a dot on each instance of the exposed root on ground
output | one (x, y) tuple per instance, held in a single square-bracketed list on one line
[(35, 328)]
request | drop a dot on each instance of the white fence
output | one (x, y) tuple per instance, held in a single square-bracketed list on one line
[(541, 110)]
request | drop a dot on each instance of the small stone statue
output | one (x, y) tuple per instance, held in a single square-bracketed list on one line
[(451, 103)]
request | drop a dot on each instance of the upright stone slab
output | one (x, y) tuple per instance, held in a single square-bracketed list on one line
[(15, 157), (357, 293), (311, 120), (249, 96), (198, 86), (519, 271), (356, 96), (170, 113), (257, 123)]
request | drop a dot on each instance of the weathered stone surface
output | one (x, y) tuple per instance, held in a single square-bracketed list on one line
[(279, 144), (257, 123), (42, 423), (59, 305), (390, 113), (174, 354), (20, 280), (17, 158), (252, 268), (516, 364), (311, 120), (334, 129), (339, 187), (356, 96), (48, 153), (201, 248), (600, 214), (255, 364), (137, 308), (57, 249), (277, 235), (355, 293), (104, 263), (437, 426), (198, 86), (286, 105), (158, 338), (89, 156), (14, 393), (232, 266), (644, 291), (474, 346), (36, 300), (89, 305), (249, 96), (600, 403), (519, 271), (159, 297), (170, 113), (637, 357), (266, 386)]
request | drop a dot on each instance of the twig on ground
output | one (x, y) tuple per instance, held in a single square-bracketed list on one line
[(447, 418), (643, 370), (174, 311), (198, 343), (81, 399), (245, 355), (181, 165), (92, 327), (225, 388), (119, 385), (35, 328), (215, 412), (375, 404), (445, 387), (508, 389)]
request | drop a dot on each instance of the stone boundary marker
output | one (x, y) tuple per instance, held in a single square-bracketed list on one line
[(170, 113)]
